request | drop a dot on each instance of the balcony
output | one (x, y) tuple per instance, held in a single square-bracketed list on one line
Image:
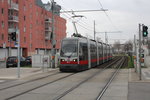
[(14, 6), (12, 29), (49, 29), (13, 19), (48, 20), (47, 35)]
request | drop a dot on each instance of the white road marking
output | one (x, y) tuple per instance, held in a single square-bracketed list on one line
[(2, 81)]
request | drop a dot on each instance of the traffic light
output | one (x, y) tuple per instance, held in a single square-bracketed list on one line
[(13, 36), (145, 31), (142, 55)]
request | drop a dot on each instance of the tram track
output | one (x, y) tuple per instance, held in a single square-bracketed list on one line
[(47, 83), (36, 79), (119, 65), (82, 82), (36, 87)]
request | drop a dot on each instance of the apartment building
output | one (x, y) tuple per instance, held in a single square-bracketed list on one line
[(33, 20)]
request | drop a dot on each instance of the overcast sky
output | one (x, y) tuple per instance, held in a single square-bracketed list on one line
[(124, 15)]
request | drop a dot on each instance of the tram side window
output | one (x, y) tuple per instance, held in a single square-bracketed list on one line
[(104, 50), (83, 52), (93, 51), (99, 48)]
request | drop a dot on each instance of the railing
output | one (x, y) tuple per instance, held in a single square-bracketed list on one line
[(48, 29), (14, 6), (12, 29), (47, 35), (13, 18), (48, 20)]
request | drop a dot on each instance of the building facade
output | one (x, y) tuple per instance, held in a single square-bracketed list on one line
[(33, 20)]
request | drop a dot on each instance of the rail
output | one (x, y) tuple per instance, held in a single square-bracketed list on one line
[(76, 86), (119, 65)]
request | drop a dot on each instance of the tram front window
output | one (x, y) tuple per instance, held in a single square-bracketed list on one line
[(69, 48)]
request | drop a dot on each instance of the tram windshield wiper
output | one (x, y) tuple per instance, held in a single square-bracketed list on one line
[(70, 54)]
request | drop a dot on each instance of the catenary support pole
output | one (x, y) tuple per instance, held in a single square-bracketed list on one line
[(18, 68), (140, 43), (94, 30), (53, 37), (135, 51)]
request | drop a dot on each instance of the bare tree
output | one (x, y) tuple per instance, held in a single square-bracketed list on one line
[(117, 46), (128, 46)]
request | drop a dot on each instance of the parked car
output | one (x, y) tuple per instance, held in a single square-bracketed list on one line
[(12, 61), (28, 60)]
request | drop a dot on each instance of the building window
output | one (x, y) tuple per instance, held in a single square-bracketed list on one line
[(30, 26), (2, 24), (24, 18), (16, 1), (9, 1), (30, 45), (24, 39), (2, 36), (24, 8), (2, 10), (31, 16), (30, 36), (30, 5), (24, 29), (37, 22), (37, 13)]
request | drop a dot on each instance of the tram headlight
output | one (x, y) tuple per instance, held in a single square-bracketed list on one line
[(75, 60), (62, 59)]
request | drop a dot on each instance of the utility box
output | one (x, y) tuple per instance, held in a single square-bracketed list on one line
[(41, 61), (57, 60)]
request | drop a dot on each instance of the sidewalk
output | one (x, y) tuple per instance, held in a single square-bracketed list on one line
[(134, 77), (12, 73), (139, 89)]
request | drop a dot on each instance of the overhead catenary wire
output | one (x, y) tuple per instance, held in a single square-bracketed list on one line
[(107, 16), (84, 25), (82, 22), (81, 26)]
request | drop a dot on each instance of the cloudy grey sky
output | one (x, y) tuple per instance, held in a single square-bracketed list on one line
[(124, 15)]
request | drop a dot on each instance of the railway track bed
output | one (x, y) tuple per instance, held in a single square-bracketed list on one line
[(85, 85)]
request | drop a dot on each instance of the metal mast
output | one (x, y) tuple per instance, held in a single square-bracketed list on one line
[(94, 30), (53, 41), (140, 43)]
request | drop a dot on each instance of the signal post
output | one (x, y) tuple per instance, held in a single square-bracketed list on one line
[(143, 32)]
